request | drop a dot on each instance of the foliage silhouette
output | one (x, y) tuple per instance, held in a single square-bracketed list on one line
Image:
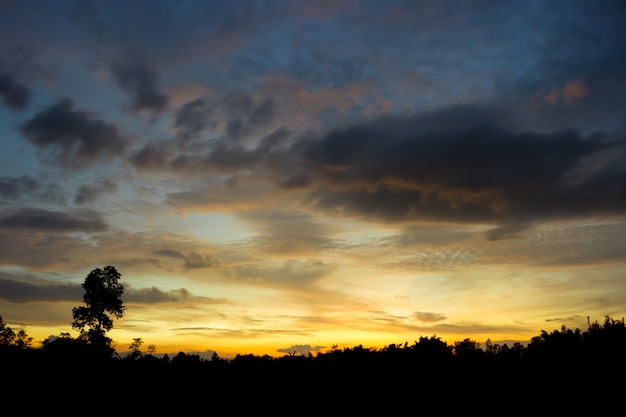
[(11, 339), (102, 298)]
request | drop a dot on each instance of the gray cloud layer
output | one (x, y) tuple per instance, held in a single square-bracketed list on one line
[(35, 290), (461, 164), (25, 292), (40, 220)]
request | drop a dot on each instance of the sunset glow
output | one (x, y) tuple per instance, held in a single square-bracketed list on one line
[(283, 177)]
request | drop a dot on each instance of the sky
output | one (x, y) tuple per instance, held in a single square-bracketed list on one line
[(280, 177)]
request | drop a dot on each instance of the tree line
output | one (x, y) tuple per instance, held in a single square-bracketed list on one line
[(579, 360)]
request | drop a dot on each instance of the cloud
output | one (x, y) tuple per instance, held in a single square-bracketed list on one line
[(15, 95), (239, 333), (296, 182), (193, 117), (39, 251), (75, 138), (237, 102), (300, 349), (425, 317), (29, 290), (153, 156), (566, 319), (433, 260), (238, 107), (154, 295), (15, 291), (506, 231), (88, 193), (234, 116), (141, 82), (578, 244), (12, 188), (441, 166), (430, 235), (40, 220), (574, 90), (290, 273), (193, 260), (287, 234), (460, 164), (263, 113)]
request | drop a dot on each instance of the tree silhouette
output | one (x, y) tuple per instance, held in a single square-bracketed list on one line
[(102, 298), (8, 337), (135, 349)]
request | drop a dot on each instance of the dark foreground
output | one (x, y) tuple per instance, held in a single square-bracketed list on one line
[(560, 373)]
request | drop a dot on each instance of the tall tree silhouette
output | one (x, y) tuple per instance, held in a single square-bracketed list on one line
[(102, 298)]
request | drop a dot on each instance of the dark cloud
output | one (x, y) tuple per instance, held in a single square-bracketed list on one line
[(141, 81), (15, 291), (14, 94), (74, 138), (234, 128), (191, 154), (441, 166), (274, 140), (88, 193), (34, 290), (263, 113), (237, 101), (193, 117), (31, 219), (296, 181), (227, 158), (458, 164), (237, 107), (154, 295), (153, 156), (169, 253), (12, 188)]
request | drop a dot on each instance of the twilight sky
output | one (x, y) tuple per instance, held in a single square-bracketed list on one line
[(281, 176)]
